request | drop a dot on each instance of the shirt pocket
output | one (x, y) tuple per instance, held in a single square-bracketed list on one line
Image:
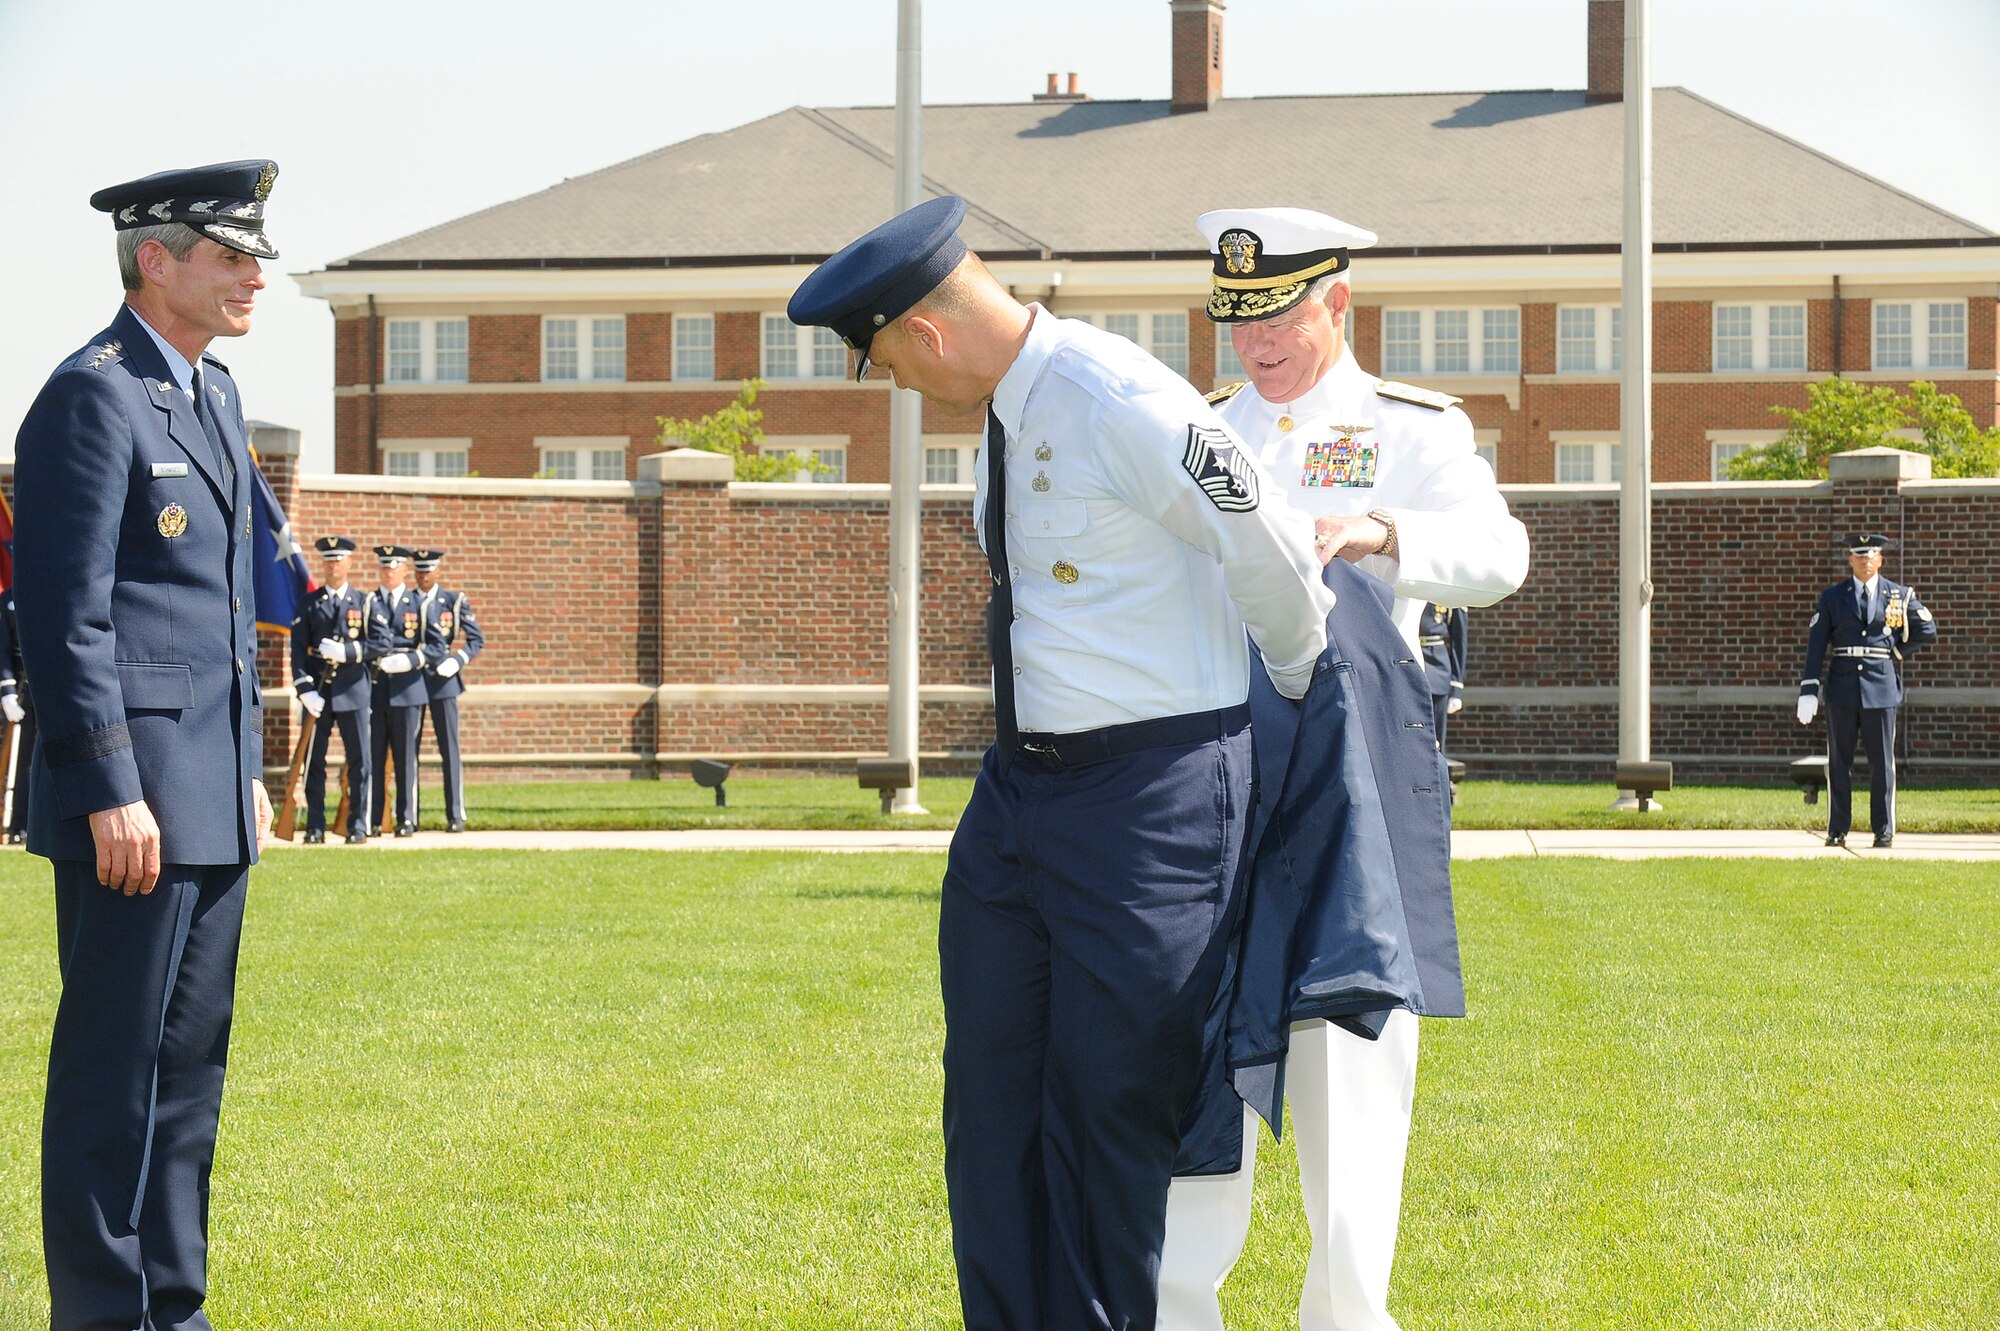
[(1063, 551)]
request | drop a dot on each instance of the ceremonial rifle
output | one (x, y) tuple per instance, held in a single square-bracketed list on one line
[(287, 826)]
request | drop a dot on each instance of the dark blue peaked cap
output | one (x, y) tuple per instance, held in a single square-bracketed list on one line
[(882, 274), (225, 202)]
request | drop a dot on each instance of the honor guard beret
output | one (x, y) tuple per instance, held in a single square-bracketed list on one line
[(425, 559), (879, 276), (1266, 259), (388, 556), (224, 202), (334, 547), (1866, 543)]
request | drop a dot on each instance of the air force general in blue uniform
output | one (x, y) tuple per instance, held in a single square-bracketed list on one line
[(1859, 633), (1092, 887), (137, 619)]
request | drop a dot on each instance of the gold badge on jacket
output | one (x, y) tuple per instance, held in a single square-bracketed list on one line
[(411, 629), (444, 622), (353, 623), (1065, 572), (1894, 616), (173, 520)]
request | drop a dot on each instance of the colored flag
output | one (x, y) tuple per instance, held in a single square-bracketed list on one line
[(282, 574), (6, 545)]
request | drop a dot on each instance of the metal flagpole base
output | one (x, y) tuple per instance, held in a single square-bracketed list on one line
[(1627, 802), (906, 802)]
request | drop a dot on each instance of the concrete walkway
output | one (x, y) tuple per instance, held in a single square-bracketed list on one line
[(1636, 844)]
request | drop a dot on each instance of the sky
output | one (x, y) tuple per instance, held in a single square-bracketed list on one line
[(387, 118)]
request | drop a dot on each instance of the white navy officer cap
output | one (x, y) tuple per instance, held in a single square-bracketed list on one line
[(1266, 259), (224, 202), (881, 275)]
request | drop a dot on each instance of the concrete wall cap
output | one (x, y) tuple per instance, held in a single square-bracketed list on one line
[(687, 466), (1879, 464)]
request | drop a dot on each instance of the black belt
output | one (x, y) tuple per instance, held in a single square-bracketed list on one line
[(1056, 752)]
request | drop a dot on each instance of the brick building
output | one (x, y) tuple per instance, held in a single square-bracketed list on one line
[(545, 335)]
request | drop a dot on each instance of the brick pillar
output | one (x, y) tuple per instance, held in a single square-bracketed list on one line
[(1606, 51), (697, 628), (1868, 496), (1197, 54), (277, 451)]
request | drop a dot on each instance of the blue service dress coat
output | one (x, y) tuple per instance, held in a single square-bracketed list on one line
[(401, 629), (448, 618), (145, 664), (342, 614), (1441, 633), (1349, 912), (1867, 654)]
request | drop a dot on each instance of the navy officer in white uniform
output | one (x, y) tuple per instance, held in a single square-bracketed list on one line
[(1389, 473), (1860, 630), (138, 626), (1092, 882)]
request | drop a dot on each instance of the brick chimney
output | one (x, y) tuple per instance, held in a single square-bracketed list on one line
[(1607, 51), (1075, 93), (1197, 54)]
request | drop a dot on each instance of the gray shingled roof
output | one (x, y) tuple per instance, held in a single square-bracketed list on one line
[(1502, 170)]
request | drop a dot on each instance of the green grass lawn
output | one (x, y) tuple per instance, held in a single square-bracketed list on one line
[(615, 1090), (820, 803)]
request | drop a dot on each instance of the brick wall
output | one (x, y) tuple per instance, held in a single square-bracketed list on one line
[(759, 614)]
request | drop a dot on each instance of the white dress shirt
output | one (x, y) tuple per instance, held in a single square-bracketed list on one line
[(1865, 594), (1457, 543), (177, 364), (1132, 588)]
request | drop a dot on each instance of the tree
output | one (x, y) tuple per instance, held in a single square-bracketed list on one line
[(1841, 415), (737, 431)]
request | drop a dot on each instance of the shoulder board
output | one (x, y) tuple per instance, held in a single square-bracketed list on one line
[(1416, 397), (1224, 393), (207, 359)]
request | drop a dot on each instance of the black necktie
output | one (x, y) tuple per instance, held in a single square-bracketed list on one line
[(1000, 607), (1867, 610), (225, 468)]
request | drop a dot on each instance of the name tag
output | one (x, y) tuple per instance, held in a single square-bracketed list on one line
[(169, 469)]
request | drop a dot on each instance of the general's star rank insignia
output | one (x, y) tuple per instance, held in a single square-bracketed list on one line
[(1223, 473)]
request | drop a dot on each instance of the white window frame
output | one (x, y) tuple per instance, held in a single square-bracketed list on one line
[(1486, 446), (1229, 368), (420, 457), (1427, 339), (1607, 341), (427, 334), (1148, 326), (830, 448), (965, 450), (1604, 456), (1726, 444), (592, 366), (694, 347), (1758, 335), (805, 345), (1923, 356), (590, 454)]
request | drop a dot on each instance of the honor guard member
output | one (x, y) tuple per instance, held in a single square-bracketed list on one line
[(19, 708), (1865, 624), (447, 618), (1091, 887), (1441, 635), (333, 640), (385, 750), (399, 691), (1389, 474), (138, 626)]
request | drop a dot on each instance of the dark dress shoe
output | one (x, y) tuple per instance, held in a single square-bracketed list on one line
[(315, 836), (16, 838), (406, 829), (1884, 842), (456, 825), (1836, 840), (356, 837)]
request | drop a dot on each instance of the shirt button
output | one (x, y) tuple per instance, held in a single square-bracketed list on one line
[(1045, 526), (1017, 670), (237, 604), (239, 667)]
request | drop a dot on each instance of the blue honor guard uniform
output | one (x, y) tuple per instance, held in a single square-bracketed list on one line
[(452, 637), (19, 707), (137, 612), (333, 640), (1862, 628), (1441, 634), (397, 695)]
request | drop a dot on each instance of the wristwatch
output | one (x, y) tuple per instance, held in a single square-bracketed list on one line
[(1389, 547)]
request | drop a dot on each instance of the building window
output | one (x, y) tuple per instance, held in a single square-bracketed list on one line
[(833, 466), (792, 352), (1590, 339), (583, 349), (694, 346), (1486, 446), (1759, 337), (1920, 335), (950, 459), (425, 351), (588, 458), (1947, 335), (1229, 364), (1719, 456), (1419, 342), (432, 458), (1165, 335), (1593, 462), (941, 466)]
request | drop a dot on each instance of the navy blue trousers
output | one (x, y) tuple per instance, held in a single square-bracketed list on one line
[(1085, 919), (1875, 727), (354, 742), (444, 719), (135, 1086), (394, 734)]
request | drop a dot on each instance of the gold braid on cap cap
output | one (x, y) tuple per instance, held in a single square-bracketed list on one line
[(1237, 299)]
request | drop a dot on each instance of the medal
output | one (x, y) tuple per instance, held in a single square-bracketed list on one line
[(173, 520)]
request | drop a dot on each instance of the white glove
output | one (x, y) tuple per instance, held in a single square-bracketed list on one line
[(1454, 707), (312, 702), (399, 663), (332, 649), (447, 667), (1808, 708), (11, 705)]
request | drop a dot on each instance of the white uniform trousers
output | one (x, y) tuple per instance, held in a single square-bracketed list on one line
[(1350, 1100)]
